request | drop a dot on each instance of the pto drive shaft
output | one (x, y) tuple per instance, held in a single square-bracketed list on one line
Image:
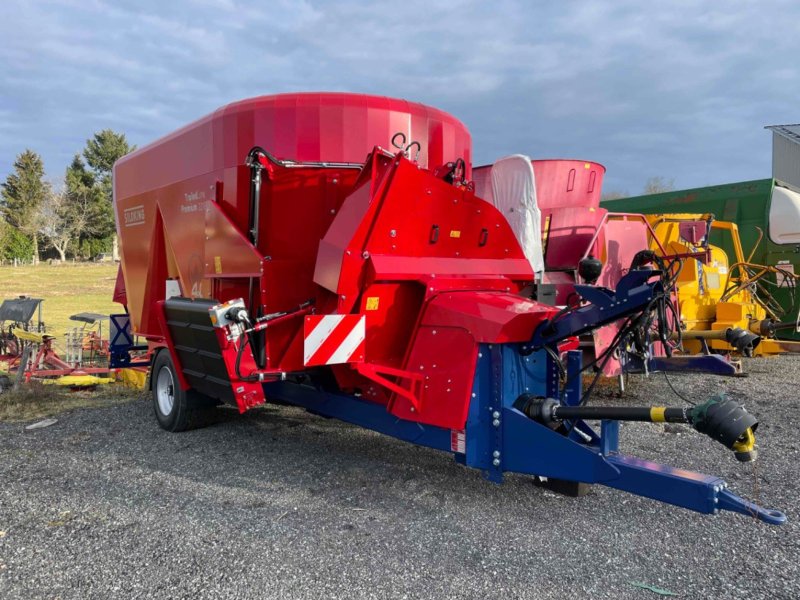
[(723, 420)]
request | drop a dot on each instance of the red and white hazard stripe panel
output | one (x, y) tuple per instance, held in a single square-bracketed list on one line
[(333, 339)]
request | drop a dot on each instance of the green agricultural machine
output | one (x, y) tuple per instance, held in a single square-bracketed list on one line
[(767, 213)]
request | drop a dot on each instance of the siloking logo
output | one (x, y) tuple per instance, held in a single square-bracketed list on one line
[(133, 215)]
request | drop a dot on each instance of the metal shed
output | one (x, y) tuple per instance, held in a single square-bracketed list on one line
[(786, 154)]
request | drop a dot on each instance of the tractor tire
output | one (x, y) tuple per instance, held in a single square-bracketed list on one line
[(176, 409)]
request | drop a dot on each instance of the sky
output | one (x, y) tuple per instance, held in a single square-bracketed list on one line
[(680, 90)]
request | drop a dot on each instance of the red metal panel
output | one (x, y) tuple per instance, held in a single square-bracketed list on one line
[(623, 239), (337, 266), (569, 232), (227, 253), (119, 288), (414, 226), (445, 357), (248, 394), (490, 317), (391, 310), (445, 347), (562, 183)]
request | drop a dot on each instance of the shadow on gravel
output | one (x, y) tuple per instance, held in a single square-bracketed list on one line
[(286, 448)]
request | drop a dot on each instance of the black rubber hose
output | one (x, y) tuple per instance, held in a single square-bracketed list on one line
[(622, 413)]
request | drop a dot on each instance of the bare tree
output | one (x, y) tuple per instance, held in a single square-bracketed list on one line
[(63, 217), (658, 185), (614, 195)]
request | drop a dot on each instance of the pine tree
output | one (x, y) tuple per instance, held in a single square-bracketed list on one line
[(101, 152), (83, 194), (23, 193)]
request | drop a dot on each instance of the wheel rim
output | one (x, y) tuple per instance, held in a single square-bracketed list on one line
[(165, 391)]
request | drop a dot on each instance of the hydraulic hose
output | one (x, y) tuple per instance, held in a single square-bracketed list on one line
[(655, 414)]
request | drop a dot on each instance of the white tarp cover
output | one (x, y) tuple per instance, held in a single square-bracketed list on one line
[(513, 193), (784, 216)]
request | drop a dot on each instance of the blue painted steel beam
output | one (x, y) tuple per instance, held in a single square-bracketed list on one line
[(358, 412), (573, 389), (701, 493), (573, 394), (609, 437), (714, 364), (634, 292), (535, 449)]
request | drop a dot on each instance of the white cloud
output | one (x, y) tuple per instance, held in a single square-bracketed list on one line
[(678, 89)]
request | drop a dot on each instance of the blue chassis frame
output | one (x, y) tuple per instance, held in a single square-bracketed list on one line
[(500, 438)]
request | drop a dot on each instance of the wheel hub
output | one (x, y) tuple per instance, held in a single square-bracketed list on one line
[(165, 392)]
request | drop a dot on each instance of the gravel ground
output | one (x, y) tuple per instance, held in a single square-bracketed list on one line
[(282, 504)]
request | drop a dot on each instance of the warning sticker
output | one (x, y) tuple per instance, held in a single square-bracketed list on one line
[(784, 276), (458, 441)]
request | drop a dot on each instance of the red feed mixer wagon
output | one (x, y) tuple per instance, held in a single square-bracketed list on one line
[(329, 251)]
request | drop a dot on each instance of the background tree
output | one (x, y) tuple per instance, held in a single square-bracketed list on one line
[(23, 193), (5, 234), (82, 190), (658, 185), (5, 237), (614, 195), (64, 216), (101, 152), (654, 185), (13, 243)]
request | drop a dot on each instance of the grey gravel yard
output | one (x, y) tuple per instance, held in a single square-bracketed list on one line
[(279, 503)]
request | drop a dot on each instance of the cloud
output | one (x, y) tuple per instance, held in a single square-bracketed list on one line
[(679, 89)]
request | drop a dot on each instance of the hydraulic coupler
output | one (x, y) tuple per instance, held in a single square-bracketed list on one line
[(743, 341), (720, 418)]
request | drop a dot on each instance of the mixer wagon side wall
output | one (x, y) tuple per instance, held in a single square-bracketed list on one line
[(183, 202)]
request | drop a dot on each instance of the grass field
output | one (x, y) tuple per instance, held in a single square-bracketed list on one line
[(35, 400), (66, 289)]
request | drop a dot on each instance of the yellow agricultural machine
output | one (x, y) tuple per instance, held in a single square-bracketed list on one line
[(723, 306)]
